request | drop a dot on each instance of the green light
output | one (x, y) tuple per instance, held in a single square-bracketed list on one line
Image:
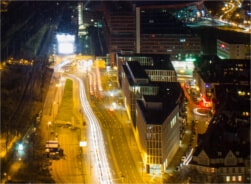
[(190, 59)]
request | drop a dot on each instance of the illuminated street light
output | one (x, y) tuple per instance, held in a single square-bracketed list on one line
[(20, 147), (83, 143), (49, 124), (20, 151)]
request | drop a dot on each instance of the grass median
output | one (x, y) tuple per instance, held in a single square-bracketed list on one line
[(65, 112)]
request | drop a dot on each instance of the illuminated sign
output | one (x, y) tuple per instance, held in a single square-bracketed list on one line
[(65, 48), (66, 43), (65, 38)]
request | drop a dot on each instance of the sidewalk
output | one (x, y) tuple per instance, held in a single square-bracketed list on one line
[(183, 148)]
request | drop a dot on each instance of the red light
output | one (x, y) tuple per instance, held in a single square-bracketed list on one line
[(206, 103), (222, 46)]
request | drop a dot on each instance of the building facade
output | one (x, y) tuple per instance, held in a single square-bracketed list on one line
[(213, 72), (228, 166), (143, 31), (158, 139), (152, 97), (233, 50)]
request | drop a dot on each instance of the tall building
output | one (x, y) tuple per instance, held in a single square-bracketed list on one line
[(161, 33), (119, 21), (152, 98), (142, 30), (158, 127)]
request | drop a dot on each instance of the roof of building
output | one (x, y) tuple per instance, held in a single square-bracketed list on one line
[(161, 22), (136, 70), (240, 151), (160, 61), (223, 136), (141, 74), (213, 69), (233, 98), (169, 94)]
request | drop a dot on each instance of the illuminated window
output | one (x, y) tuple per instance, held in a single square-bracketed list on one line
[(212, 170), (182, 40), (239, 178), (245, 113), (227, 178), (233, 178), (241, 93)]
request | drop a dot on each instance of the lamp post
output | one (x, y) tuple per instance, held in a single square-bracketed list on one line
[(49, 124), (82, 144)]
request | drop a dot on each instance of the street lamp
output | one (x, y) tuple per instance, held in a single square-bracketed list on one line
[(49, 124), (82, 144)]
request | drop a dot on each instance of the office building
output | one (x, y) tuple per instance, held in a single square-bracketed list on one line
[(233, 49), (138, 30), (152, 98)]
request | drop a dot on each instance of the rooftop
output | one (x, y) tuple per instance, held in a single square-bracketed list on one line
[(156, 61), (136, 70), (212, 69), (222, 136), (165, 102)]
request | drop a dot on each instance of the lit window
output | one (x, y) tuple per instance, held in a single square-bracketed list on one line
[(233, 178), (239, 178), (182, 40), (212, 170), (227, 178), (241, 93), (245, 113)]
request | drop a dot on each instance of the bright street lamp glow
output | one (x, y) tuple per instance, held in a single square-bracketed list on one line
[(20, 147), (83, 143)]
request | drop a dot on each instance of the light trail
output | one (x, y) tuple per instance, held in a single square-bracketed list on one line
[(196, 111), (96, 140), (189, 157), (90, 83), (96, 137), (99, 81)]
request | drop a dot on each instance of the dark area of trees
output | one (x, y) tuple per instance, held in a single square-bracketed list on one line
[(22, 26)]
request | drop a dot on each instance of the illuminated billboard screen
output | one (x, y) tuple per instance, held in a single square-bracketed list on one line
[(66, 48), (66, 43)]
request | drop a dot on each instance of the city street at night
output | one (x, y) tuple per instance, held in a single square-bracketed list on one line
[(113, 92)]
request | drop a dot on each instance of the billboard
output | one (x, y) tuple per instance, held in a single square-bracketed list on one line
[(66, 43)]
